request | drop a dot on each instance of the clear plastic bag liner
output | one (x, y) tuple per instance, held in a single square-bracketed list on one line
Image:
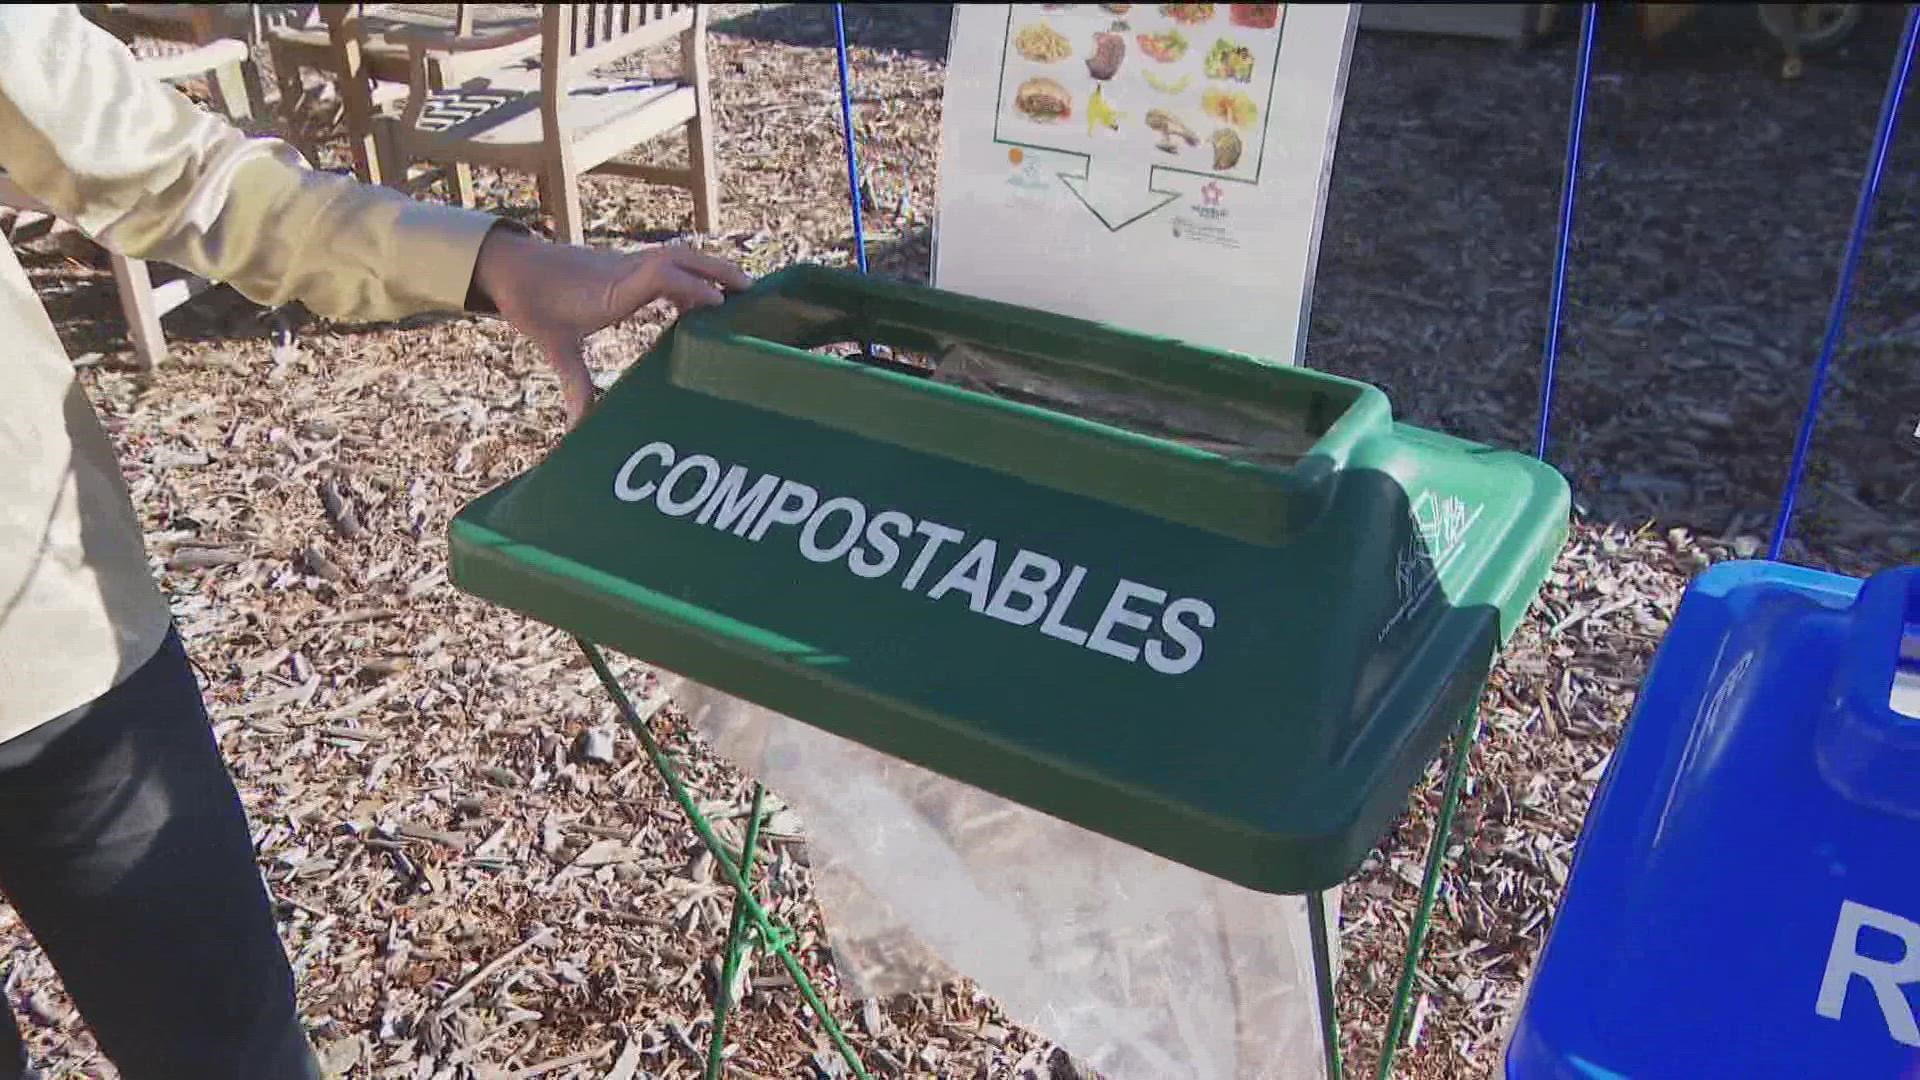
[(1138, 966)]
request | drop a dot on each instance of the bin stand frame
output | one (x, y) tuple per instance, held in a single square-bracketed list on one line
[(752, 925), (754, 928)]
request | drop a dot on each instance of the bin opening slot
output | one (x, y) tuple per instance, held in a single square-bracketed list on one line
[(1236, 407), (1244, 430)]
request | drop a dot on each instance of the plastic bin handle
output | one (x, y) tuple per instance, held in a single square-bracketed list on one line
[(1866, 749)]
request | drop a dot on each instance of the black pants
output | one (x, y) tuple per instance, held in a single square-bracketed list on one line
[(125, 849)]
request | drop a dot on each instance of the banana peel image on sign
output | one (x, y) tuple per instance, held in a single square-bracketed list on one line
[(1102, 115)]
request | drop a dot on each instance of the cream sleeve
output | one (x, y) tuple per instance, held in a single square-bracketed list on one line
[(139, 168)]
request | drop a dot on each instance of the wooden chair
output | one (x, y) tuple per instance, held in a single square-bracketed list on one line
[(553, 118), (139, 300), (236, 89), (352, 46)]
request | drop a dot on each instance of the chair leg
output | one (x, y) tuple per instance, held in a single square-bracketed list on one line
[(231, 94), (695, 70), (293, 93), (142, 310), (256, 93), (386, 164), (370, 164), (460, 176), (706, 183), (562, 200)]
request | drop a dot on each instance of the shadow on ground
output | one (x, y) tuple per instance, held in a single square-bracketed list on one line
[(912, 29)]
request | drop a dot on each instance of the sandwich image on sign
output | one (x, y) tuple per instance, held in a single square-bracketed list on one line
[(1043, 100)]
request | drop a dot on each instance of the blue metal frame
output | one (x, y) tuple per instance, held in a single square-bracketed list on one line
[(846, 130), (1576, 128), (1843, 289)]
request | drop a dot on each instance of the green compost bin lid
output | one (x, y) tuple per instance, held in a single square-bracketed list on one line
[(1219, 609)]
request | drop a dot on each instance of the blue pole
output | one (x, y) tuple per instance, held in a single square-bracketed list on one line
[(846, 129), (1843, 290), (1575, 128)]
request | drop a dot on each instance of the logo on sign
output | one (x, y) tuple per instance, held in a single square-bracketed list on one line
[(1025, 173), (1210, 195)]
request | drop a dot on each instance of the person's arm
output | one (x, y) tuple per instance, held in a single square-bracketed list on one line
[(142, 170), (557, 294), (145, 172)]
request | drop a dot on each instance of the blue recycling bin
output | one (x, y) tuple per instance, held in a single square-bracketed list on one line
[(1745, 899)]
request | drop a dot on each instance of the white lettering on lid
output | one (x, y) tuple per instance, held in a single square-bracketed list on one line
[(972, 575), (1056, 624), (1187, 637), (623, 488), (886, 543), (1118, 614), (937, 535), (709, 470), (810, 546), (1032, 591), (1137, 622), (792, 504), (734, 505)]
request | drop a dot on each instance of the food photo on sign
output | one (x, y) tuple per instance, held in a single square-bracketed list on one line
[(1179, 78)]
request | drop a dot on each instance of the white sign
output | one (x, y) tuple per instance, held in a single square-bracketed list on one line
[(1160, 167), (1028, 588)]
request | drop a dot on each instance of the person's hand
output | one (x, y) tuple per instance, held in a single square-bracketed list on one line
[(557, 294)]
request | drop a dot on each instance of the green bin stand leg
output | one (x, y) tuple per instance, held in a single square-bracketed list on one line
[(1417, 933), (1429, 888), (772, 936), (1323, 965), (737, 942)]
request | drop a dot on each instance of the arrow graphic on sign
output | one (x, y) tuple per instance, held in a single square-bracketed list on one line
[(1117, 196)]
